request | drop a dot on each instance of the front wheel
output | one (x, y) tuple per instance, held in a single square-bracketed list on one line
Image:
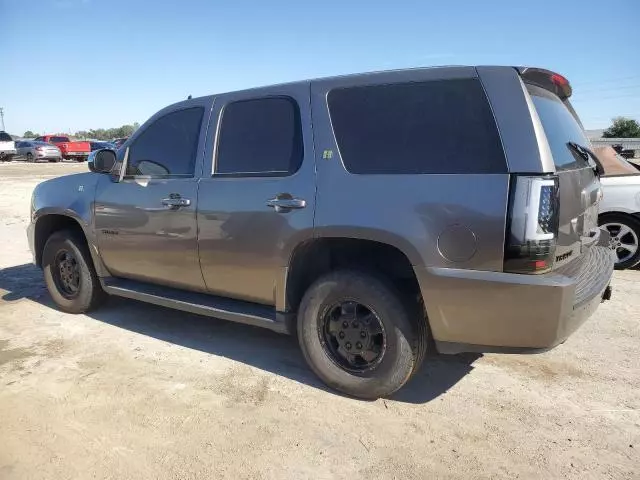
[(357, 335), (624, 231), (69, 273)]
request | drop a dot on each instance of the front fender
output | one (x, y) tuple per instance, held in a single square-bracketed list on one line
[(70, 196)]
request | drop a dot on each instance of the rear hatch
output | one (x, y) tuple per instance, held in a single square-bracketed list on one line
[(561, 218), (576, 168)]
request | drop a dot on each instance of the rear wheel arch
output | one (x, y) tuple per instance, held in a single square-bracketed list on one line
[(316, 257)]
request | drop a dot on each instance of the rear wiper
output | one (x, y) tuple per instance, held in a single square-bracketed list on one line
[(588, 156)]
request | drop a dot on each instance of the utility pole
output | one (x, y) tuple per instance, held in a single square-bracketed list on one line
[(2, 117)]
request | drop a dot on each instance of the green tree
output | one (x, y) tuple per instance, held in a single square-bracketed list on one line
[(622, 128), (109, 133), (30, 134)]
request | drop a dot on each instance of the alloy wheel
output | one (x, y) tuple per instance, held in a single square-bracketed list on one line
[(623, 241)]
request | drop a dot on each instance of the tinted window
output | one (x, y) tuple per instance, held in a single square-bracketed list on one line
[(261, 136), (560, 128), (443, 126), (5, 137), (168, 146), (58, 139)]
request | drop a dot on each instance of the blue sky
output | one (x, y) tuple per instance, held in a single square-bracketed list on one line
[(69, 65)]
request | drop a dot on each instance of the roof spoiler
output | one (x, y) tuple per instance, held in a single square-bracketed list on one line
[(554, 82)]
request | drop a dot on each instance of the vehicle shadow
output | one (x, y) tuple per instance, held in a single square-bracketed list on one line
[(252, 346)]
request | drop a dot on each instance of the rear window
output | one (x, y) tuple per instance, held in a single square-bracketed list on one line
[(441, 126), (560, 128), (5, 137)]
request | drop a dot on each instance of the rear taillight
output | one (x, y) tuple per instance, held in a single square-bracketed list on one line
[(39, 149), (532, 229)]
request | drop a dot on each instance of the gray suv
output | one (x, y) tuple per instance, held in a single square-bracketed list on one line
[(375, 216)]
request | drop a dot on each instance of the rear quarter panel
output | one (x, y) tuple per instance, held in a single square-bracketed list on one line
[(415, 213)]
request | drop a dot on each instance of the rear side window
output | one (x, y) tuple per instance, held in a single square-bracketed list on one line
[(440, 126), (5, 137), (168, 146), (260, 137), (560, 128), (59, 139)]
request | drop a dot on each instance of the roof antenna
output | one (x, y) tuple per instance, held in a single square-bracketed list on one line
[(189, 97)]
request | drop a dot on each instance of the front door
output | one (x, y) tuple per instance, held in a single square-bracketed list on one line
[(146, 223), (257, 192)]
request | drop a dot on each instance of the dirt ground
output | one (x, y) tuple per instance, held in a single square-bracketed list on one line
[(135, 391)]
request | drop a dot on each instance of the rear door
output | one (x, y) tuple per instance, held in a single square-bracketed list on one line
[(579, 184), (257, 193)]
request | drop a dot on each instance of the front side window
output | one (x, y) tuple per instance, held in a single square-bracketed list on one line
[(168, 147), (260, 137), (58, 139), (436, 127)]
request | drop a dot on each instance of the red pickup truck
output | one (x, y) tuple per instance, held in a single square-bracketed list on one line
[(70, 150)]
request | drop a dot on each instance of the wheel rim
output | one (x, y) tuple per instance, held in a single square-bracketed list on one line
[(352, 336), (29, 157), (66, 274), (623, 241)]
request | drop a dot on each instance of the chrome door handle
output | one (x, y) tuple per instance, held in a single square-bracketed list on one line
[(284, 204), (176, 202)]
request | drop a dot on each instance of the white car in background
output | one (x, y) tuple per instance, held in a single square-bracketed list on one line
[(7, 147), (620, 206)]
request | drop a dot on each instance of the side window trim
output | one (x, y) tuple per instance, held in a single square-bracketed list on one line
[(126, 176), (269, 174)]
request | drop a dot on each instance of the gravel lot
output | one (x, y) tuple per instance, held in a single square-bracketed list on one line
[(135, 391)]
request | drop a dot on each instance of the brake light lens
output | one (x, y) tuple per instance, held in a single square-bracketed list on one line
[(39, 149), (533, 221), (559, 80)]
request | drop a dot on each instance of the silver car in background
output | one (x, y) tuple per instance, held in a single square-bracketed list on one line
[(33, 151)]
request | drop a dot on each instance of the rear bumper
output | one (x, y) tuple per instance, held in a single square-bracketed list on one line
[(475, 311)]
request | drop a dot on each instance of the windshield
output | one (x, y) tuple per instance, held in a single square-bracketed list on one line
[(560, 127), (59, 139)]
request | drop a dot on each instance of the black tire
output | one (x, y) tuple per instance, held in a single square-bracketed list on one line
[(633, 235), (29, 157), (404, 343), (89, 293)]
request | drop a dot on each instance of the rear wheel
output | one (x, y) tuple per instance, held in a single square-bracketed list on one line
[(69, 273), (625, 234), (357, 335), (30, 157)]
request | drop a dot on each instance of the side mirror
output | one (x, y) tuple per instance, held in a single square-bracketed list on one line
[(102, 161)]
